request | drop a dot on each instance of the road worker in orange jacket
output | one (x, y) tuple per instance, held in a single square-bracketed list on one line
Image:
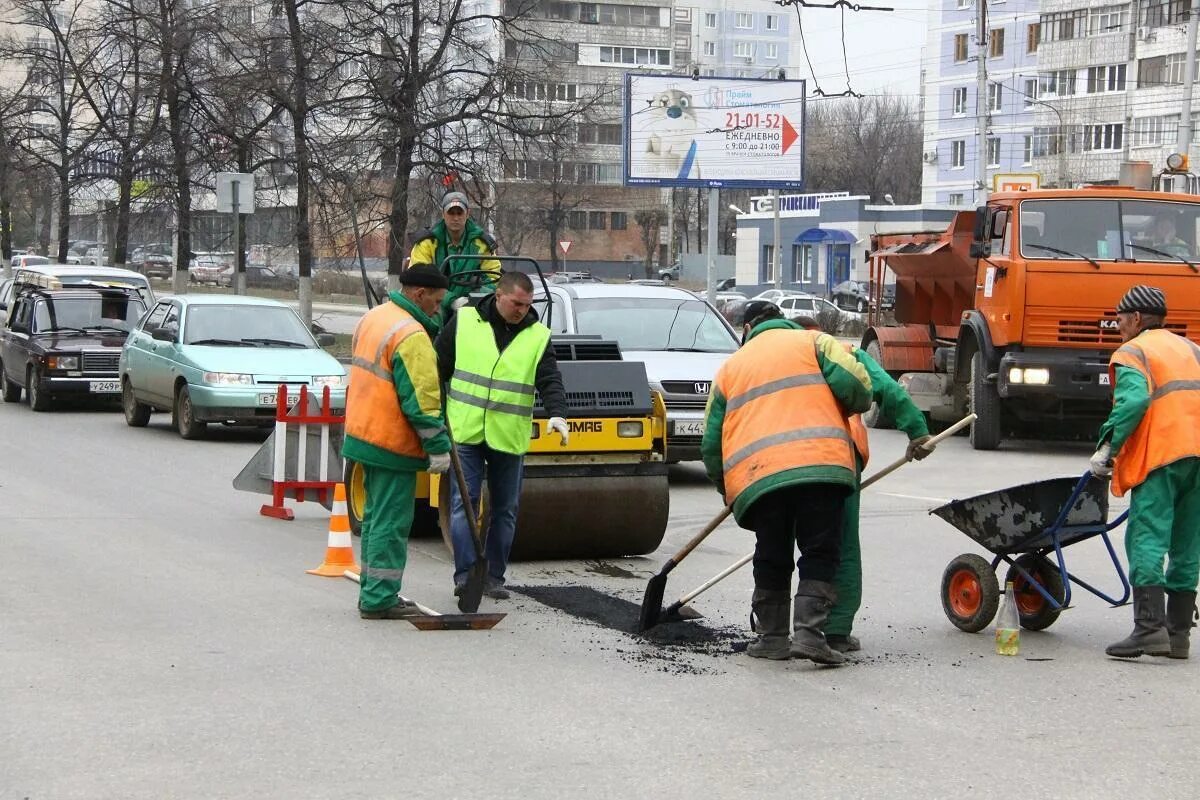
[(778, 445), (1150, 445), (395, 428)]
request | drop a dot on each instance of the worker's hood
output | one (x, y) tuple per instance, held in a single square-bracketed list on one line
[(676, 366)]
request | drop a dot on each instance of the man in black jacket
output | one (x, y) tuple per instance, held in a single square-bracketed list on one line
[(489, 406)]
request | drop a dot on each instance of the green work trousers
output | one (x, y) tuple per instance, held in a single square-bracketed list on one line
[(386, 524), (848, 578), (1164, 522)]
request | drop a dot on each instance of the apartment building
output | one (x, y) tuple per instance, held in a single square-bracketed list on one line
[(728, 39), (1110, 88), (949, 174)]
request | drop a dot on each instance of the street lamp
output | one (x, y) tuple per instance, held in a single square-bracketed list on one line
[(736, 210), (1062, 142)]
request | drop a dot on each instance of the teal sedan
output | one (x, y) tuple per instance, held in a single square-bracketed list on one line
[(221, 358)]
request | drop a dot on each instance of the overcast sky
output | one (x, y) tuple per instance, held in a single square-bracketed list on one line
[(884, 47)]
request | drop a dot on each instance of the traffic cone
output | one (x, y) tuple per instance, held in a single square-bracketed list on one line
[(339, 554)]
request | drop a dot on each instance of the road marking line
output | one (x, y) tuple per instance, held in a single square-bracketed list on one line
[(916, 497)]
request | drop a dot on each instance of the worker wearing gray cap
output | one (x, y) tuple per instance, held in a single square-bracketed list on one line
[(457, 234), (1150, 445)]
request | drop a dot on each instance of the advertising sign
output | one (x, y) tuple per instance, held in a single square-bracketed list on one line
[(1016, 181), (713, 132)]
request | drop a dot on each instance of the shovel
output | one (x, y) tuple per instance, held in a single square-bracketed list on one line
[(676, 611), (431, 620), (651, 613), (472, 591)]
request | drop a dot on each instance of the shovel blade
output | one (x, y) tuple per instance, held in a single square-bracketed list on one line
[(456, 622), (472, 593), (651, 612)]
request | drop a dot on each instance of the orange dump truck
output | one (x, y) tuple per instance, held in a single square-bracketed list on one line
[(1009, 312)]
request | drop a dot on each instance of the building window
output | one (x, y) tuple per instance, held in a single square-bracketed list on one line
[(960, 47), (960, 101), (635, 55), (1161, 70), (1102, 137), (1047, 141), (956, 199), (618, 220), (710, 48), (532, 90), (1108, 19), (993, 152), (958, 154), (1033, 34), (1027, 151), (1031, 91), (768, 263), (743, 50), (742, 20), (577, 220), (1158, 13), (710, 20), (1109, 78), (994, 96), (996, 43), (1149, 131), (772, 51), (804, 263), (592, 133), (772, 22), (1057, 84), (1064, 25), (596, 220)]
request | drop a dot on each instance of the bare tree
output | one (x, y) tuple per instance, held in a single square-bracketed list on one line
[(869, 145), (650, 221)]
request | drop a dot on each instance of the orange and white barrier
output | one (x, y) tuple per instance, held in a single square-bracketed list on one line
[(339, 553), (301, 417)]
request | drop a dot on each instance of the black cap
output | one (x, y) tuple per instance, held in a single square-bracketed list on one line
[(1146, 299), (760, 311), (424, 275)]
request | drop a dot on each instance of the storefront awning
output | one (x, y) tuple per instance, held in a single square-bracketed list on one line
[(826, 236)]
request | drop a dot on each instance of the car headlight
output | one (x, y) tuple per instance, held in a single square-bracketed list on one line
[(1039, 376), (62, 362), (332, 381), (228, 379)]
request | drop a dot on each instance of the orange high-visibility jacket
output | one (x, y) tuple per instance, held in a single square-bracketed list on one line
[(1170, 428), (780, 413), (373, 412)]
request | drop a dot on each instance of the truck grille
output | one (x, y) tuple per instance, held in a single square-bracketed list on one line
[(1086, 329), (100, 362)]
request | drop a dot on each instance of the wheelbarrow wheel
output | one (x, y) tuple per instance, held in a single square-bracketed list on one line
[(1036, 614), (970, 592)]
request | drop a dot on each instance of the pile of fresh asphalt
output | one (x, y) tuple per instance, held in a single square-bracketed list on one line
[(668, 647)]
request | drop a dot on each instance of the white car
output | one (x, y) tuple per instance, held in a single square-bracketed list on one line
[(775, 295), (680, 338)]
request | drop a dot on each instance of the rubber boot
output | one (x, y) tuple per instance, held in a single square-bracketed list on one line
[(814, 599), (769, 619), (1149, 635), (1181, 614), (847, 643)]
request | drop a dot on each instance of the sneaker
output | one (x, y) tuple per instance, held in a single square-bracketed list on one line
[(402, 610), (495, 590)]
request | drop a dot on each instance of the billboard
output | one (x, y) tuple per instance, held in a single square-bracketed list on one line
[(713, 132)]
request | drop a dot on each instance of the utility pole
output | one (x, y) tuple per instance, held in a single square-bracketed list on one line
[(981, 102), (776, 251), (1189, 82)]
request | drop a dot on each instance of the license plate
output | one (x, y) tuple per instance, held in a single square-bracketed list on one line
[(1104, 379), (267, 399), (100, 387), (695, 428)]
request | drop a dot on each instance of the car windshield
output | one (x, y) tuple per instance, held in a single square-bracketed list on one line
[(265, 326), (116, 312), (140, 284), (1110, 230), (654, 323)]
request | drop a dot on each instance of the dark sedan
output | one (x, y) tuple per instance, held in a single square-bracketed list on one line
[(60, 342)]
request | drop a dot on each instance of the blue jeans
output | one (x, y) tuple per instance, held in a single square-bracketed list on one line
[(504, 492)]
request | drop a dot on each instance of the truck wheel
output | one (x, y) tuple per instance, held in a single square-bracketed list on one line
[(39, 400), (985, 403), (874, 417)]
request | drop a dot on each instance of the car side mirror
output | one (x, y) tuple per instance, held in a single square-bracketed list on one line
[(326, 339)]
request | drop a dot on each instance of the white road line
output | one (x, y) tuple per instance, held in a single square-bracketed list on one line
[(916, 497)]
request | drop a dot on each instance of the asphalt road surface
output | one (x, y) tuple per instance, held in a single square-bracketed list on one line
[(159, 638)]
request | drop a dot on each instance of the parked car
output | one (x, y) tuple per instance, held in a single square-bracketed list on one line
[(571, 277), (222, 358), (726, 284), (681, 339), (671, 273), (775, 295), (208, 268), (855, 296), (817, 310), (258, 276), (66, 341), (156, 265), (52, 276), (28, 260)]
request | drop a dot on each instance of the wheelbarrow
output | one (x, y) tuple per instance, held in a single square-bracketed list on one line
[(1026, 527)]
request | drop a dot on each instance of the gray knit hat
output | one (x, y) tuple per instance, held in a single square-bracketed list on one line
[(1145, 299)]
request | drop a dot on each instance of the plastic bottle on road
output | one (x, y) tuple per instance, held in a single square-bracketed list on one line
[(1008, 624)]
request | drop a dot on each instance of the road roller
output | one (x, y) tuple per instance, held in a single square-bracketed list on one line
[(604, 494)]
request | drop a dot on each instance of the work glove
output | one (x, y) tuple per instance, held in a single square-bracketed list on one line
[(1101, 463), (439, 463), (559, 424), (919, 447)]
